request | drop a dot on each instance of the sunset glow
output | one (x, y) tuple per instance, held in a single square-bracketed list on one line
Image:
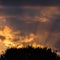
[(36, 26), (9, 37)]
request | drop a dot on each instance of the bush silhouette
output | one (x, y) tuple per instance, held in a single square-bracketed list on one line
[(29, 54)]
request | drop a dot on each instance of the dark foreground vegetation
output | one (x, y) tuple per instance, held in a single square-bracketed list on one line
[(29, 54)]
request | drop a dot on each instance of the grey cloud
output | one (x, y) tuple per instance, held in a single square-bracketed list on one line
[(25, 21), (20, 11), (21, 25)]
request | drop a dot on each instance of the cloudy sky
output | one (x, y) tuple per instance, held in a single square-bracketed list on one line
[(29, 22)]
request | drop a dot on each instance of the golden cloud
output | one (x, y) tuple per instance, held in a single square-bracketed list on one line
[(9, 42), (15, 39)]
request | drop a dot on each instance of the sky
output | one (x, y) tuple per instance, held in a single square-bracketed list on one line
[(29, 22)]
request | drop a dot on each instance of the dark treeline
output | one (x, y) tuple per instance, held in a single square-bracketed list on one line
[(29, 54)]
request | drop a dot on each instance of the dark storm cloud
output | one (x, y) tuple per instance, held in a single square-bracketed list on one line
[(30, 2)]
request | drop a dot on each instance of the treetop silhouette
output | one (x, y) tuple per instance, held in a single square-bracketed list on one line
[(29, 53)]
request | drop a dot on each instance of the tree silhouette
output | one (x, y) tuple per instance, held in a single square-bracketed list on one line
[(29, 53)]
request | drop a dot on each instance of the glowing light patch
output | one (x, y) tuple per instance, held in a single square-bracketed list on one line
[(9, 42)]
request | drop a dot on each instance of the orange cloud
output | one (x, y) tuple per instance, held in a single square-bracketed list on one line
[(45, 14), (36, 40), (9, 42)]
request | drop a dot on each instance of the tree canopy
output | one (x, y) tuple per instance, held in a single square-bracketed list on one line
[(29, 53)]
